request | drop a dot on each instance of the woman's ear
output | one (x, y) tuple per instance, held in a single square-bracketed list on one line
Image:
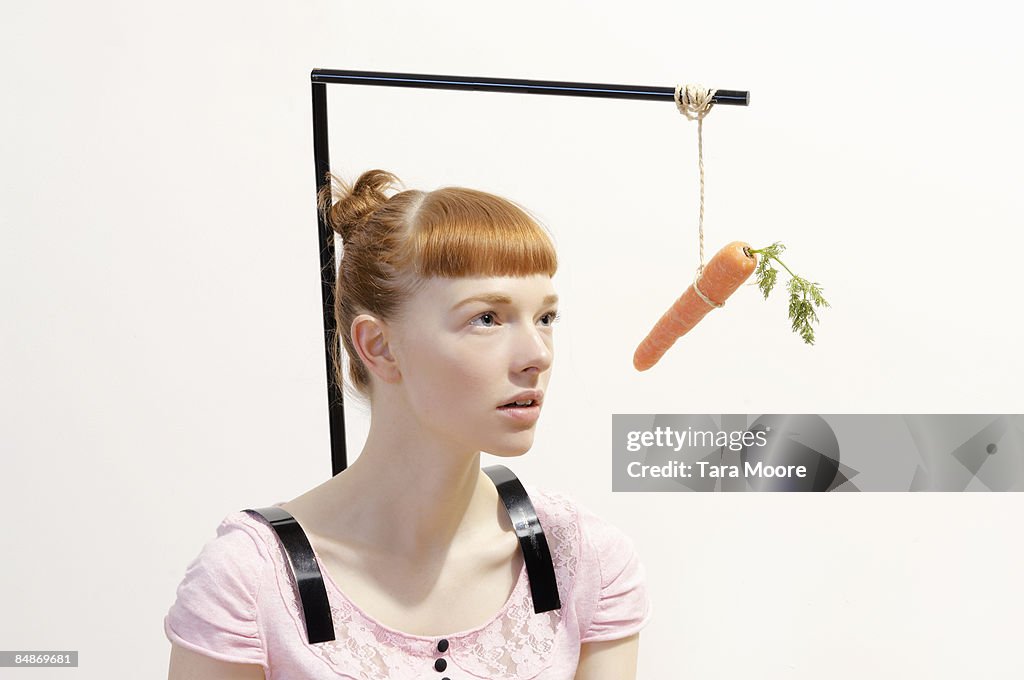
[(370, 336)]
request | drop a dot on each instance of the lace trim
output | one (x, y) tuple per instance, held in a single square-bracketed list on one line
[(516, 645)]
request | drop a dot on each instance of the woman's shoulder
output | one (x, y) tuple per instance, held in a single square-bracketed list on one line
[(215, 606), (235, 554), (561, 508), (241, 539), (559, 505), (608, 579), (579, 534), (238, 546)]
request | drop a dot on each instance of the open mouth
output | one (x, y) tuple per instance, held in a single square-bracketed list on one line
[(519, 404)]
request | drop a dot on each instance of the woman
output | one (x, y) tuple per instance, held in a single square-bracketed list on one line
[(447, 305)]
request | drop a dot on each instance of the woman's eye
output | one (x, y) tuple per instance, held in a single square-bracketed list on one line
[(486, 315), (553, 316)]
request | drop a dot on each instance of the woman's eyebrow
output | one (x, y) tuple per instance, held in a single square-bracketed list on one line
[(501, 299)]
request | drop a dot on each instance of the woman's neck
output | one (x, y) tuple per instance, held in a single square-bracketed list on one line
[(410, 497)]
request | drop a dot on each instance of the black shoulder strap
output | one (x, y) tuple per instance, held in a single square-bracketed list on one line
[(539, 567), (316, 608)]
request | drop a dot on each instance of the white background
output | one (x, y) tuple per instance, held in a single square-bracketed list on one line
[(162, 353)]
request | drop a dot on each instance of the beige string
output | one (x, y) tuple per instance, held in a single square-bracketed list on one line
[(695, 102), (704, 297)]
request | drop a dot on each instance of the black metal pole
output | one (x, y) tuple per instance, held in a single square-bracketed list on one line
[(335, 395), (437, 82), (321, 77)]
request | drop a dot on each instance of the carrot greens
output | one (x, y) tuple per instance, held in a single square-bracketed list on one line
[(804, 295)]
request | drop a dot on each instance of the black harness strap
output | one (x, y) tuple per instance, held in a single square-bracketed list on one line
[(316, 608), (539, 567)]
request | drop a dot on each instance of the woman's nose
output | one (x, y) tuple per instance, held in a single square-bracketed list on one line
[(535, 348)]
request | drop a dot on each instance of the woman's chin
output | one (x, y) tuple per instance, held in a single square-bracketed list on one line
[(510, 451)]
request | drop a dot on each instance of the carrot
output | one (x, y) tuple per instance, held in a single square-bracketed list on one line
[(727, 270)]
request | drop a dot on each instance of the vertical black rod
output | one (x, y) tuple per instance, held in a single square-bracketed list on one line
[(335, 395)]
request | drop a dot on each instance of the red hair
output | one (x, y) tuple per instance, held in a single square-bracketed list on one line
[(391, 245)]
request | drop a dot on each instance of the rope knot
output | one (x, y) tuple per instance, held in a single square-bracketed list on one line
[(694, 101)]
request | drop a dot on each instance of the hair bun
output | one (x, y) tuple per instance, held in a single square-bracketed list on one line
[(353, 205)]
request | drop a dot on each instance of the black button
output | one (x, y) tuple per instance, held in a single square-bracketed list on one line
[(440, 665), (442, 646)]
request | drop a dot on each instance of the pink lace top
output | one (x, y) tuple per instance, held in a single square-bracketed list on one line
[(238, 602)]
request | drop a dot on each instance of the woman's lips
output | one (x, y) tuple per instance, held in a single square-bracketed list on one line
[(523, 414)]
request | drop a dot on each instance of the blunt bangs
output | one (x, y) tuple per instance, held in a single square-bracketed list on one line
[(461, 232)]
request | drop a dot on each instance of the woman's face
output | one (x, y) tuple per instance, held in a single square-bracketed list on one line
[(469, 345)]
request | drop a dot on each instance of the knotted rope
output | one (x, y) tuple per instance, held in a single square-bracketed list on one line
[(695, 102)]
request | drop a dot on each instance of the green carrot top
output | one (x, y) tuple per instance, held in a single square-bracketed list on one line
[(804, 296)]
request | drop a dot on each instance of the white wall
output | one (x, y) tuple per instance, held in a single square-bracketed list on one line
[(161, 347)]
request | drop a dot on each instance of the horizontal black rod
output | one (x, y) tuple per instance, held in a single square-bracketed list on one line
[(436, 82)]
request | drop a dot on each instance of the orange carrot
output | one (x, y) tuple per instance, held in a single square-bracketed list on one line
[(727, 270)]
